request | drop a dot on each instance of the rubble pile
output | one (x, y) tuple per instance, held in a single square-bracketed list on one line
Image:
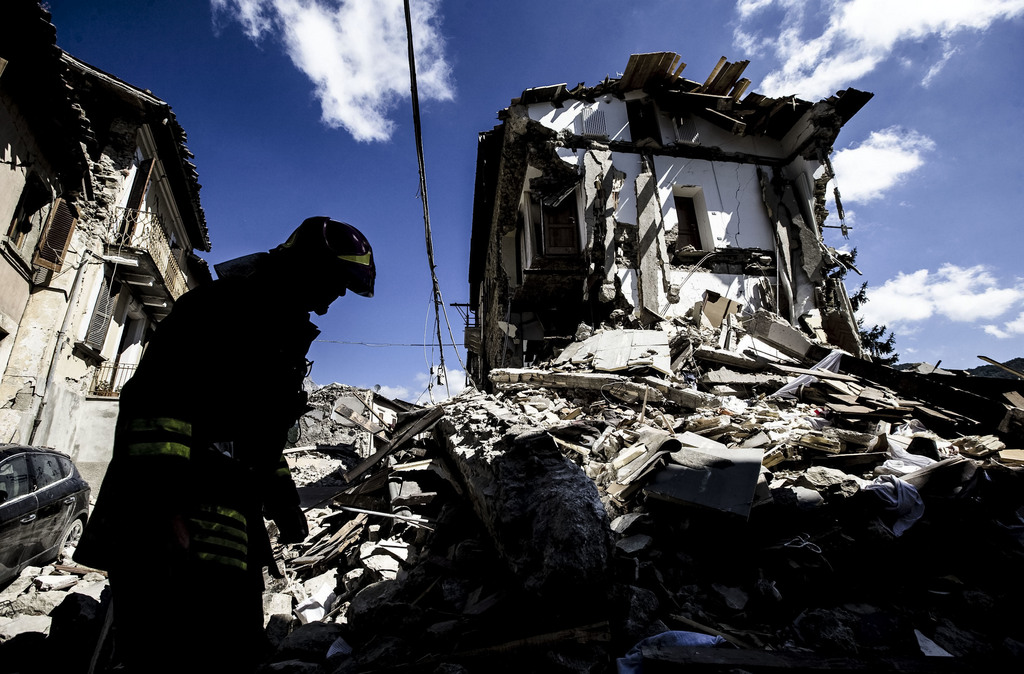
[(681, 484), (733, 498)]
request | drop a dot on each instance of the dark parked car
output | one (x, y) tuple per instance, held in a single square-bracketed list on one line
[(44, 503)]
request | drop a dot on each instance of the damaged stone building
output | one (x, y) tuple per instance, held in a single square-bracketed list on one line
[(631, 200), (99, 204)]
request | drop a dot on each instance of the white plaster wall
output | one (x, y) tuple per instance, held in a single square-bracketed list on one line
[(735, 287), (736, 211), (94, 441), (711, 135), (14, 291)]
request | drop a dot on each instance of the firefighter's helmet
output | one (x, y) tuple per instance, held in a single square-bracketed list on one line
[(339, 247)]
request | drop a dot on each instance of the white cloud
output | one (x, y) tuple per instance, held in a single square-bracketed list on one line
[(455, 382), (857, 36), (1010, 329), (418, 393), (882, 161), (961, 294), (933, 72), (355, 53)]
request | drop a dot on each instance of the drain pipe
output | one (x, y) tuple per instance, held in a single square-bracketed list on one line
[(76, 288)]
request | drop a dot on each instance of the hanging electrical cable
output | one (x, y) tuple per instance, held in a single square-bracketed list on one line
[(441, 375)]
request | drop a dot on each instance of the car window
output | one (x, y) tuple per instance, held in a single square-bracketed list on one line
[(46, 469), (14, 478)]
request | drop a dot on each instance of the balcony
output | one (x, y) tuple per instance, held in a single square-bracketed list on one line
[(108, 379), (139, 239)]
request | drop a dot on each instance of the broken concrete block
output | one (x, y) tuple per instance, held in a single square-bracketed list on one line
[(770, 328), (276, 603), (633, 544), (384, 557), (734, 597), (832, 481), (716, 307), (683, 397), (47, 583), (24, 624), (721, 479)]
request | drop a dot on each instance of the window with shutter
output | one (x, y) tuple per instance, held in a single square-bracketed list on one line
[(135, 199), (56, 236), (29, 212), (101, 314)]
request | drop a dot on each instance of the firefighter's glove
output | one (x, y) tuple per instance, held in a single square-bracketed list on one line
[(291, 525)]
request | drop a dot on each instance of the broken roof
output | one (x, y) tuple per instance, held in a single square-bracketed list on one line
[(170, 139), (716, 100)]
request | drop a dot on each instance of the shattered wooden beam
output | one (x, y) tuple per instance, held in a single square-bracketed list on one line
[(403, 434)]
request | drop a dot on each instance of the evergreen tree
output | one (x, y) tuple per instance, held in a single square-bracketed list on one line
[(877, 340)]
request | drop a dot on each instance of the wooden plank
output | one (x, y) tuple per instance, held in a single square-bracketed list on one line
[(358, 419), (714, 73), (1016, 399), (1001, 366), (404, 435)]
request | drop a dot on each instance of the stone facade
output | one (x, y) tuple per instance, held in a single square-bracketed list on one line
[(101, 217)]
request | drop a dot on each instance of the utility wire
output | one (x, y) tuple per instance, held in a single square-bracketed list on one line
[(381, 344), (423, 186)]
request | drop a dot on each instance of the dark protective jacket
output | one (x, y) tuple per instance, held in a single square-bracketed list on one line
[(201, 429)]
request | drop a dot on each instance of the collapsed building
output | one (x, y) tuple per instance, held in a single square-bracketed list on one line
[(682, 486), (100, 204), (639, 196)]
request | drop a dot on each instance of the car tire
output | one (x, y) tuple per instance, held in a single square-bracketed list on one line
[(71, 536)]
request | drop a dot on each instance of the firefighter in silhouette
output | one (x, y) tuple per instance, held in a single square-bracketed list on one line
[(198, 454)]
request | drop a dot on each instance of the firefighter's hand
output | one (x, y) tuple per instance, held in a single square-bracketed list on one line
[(291, 525)]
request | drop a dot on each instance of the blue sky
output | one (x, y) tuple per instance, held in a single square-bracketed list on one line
[(297, 108)]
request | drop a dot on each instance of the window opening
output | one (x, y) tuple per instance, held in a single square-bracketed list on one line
[(29, 212), (559, 222), (688, 231), (643, 123)]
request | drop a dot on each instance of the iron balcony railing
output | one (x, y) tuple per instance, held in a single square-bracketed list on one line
[(132, 230), (108, 379)]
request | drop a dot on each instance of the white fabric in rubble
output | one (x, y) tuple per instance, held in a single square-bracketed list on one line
[(829, 363), (900, 461), (316, 607), (900, 497), (632, 663)]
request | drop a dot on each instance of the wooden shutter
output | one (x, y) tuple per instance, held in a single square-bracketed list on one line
[(561, 231), (97, 332), (135, 198), (56, 236)]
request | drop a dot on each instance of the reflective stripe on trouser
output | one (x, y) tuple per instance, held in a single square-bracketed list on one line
[(219, 537), (158, 436)]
